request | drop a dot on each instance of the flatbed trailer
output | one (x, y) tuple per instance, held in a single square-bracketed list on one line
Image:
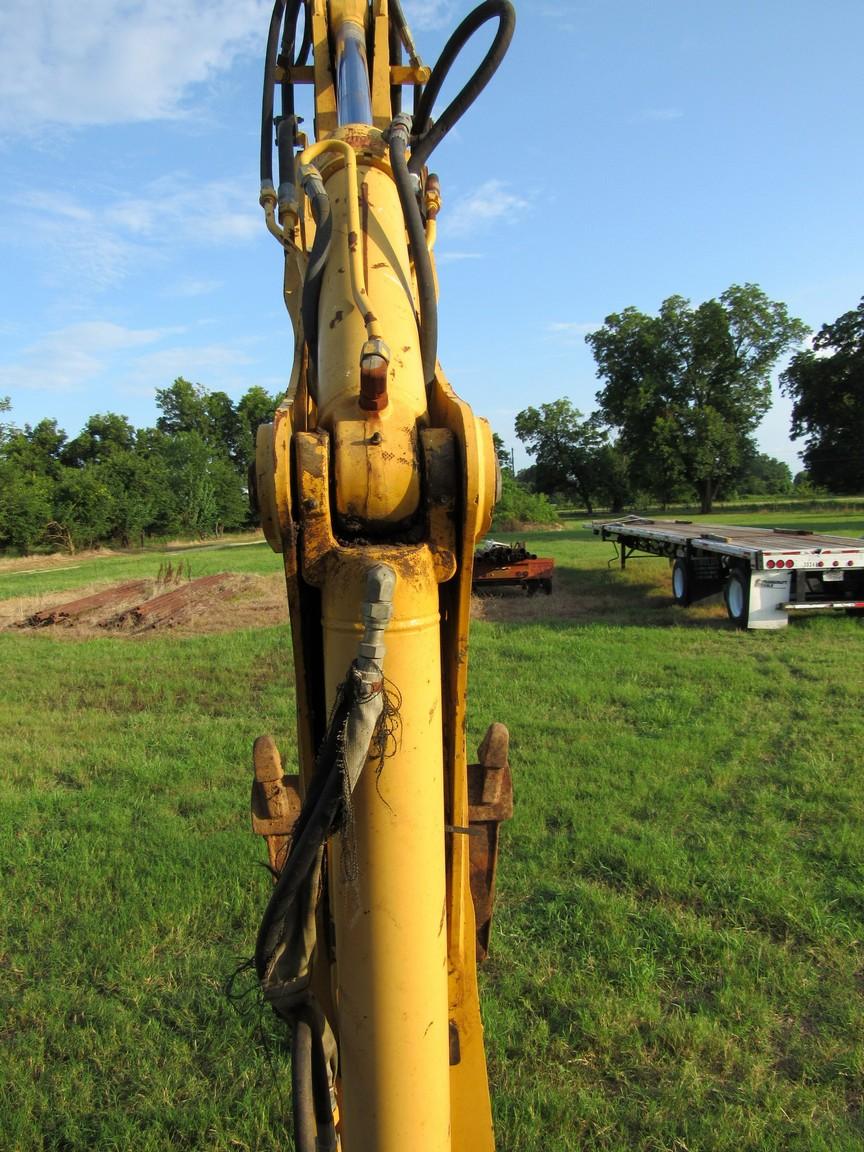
[(764, 573)]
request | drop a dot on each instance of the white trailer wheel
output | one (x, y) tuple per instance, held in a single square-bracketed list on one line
[(736, 594), (682, 582)]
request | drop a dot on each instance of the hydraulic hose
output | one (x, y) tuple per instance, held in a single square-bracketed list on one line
[(395, 46), (314, 1130), (321, 1090), (286, 129), (398, 21), (428, 135), (286, 11), (306, 42), (360, 698), (428, 304), (270, 58), (313, 826), (310, 177), (302, 1100), (321, 212)]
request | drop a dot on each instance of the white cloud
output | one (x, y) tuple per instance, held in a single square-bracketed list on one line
[(445, 257), (485, 205), (188, 289), (571, 327), (96, 245), (70, 358), (428, 14), (212, 213), (108, 361), (116, 61), (216, 364)]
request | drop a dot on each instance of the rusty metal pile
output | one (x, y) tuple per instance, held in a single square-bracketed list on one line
[(133, 606)]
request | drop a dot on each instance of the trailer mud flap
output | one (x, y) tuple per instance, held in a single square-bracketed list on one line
[(769, 592)]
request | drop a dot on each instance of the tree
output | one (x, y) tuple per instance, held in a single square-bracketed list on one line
[(763, 475), (565, 447), (826, 385), (25, 508), (688, 387), (5, 429), (101, 438), (29, 468), (207, 491), (36, 451), (503, 453), (184, 409), (83, 507), (255, 407), (520, 505)]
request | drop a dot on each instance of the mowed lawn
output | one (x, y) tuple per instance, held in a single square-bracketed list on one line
[(678, 951)]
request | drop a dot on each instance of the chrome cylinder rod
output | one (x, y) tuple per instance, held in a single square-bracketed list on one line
[(353, 92)]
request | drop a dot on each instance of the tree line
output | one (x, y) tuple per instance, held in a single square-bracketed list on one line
[(113, 482), (683, 393)]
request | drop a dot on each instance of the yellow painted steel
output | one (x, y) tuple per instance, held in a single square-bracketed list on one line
[(411, 486), (391, 986), (375, 482)]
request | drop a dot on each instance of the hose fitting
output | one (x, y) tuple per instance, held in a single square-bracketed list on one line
[(269, 201), (433, 196), (374, 362)]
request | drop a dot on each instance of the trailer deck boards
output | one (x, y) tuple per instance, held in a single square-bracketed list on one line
[(764, 573)]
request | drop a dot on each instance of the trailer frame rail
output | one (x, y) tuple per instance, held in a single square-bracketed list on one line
[(763, 573)]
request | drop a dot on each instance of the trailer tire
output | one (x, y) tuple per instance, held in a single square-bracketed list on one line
[(682, 582), (736, 596)]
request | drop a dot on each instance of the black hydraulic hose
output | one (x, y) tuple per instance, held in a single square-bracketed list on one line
[(321, 1091), (286, 55), (285, 136), (313, 826), (270, 58), (395, 42), (428, 135), (302, 1099), (399, 25), (314, 1130), (398, 21), (320, 205), (427, 302), (306, 42), (285, 131)]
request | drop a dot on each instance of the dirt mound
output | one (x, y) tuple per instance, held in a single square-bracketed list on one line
[(221, 603), (230, 601)]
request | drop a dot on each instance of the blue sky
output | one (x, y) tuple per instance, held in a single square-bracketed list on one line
[(627, 150)]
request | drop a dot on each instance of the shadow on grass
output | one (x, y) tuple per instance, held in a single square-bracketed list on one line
[(584, 597)]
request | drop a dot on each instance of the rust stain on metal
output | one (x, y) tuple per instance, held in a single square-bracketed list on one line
[(276, 801), (364, 226), (166, 608), (490, 801)]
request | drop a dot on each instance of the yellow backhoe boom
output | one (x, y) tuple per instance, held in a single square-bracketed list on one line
[(374, 482)]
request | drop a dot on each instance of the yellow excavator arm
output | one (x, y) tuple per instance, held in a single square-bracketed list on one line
[(374, 483)]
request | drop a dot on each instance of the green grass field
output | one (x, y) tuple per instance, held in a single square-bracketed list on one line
[(678, 951)]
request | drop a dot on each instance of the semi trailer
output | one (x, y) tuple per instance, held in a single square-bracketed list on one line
[(765, 574)]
